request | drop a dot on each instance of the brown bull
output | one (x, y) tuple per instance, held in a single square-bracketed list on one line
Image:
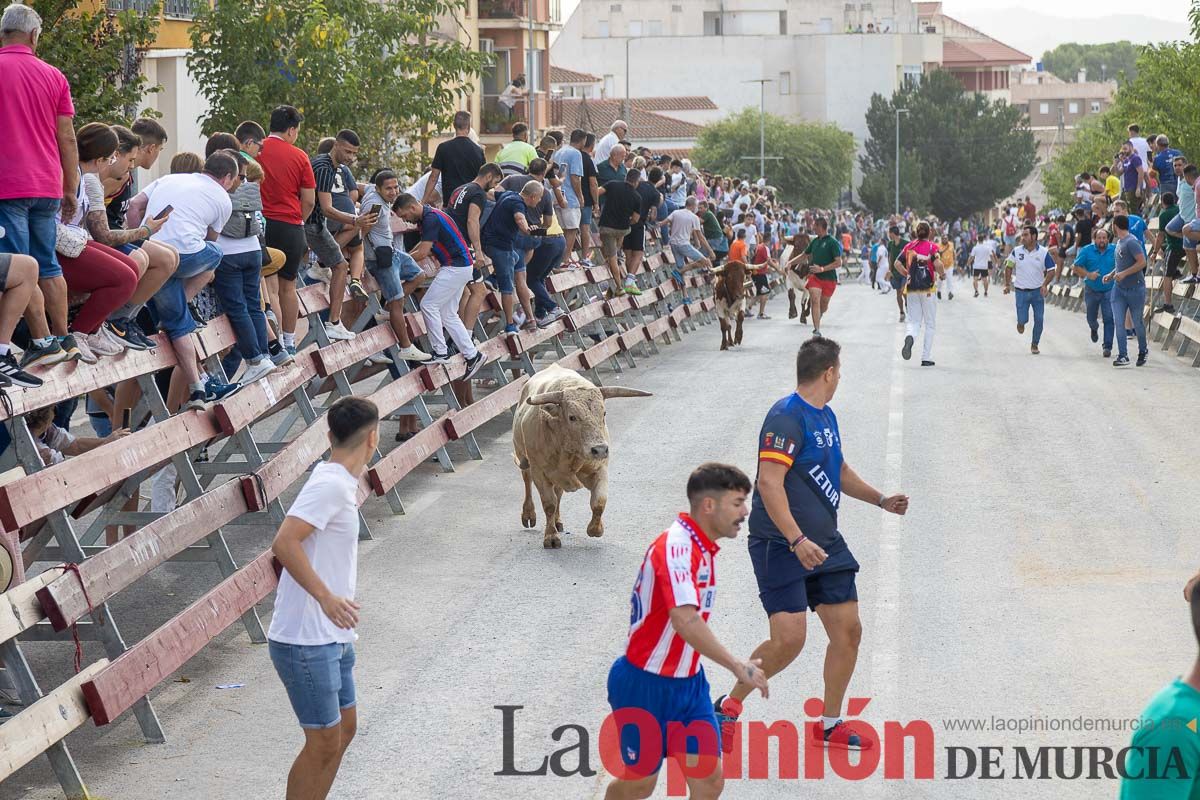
[(730, 296), (560, 443)]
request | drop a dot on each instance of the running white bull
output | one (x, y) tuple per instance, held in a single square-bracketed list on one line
[(560, 443)]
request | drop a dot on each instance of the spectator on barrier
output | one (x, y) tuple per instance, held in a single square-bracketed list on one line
[(687, 238), (549, 253), (466, 205), (386, 264), (328, 176), (55, 444), (1132, 169), (18, 282), (612, 169), (155, 262), (456, 161), (1164, 162), (515, 156), (1187, 214), (38, 174), (289, 197), (713, 233), (506, 236), (250, 136), (569, 162), (200, 210), (622, 209), (1129, 293), (1170, 247), (634, 244), (441, 238), (616, 133), (591, 197), (1092, 263)]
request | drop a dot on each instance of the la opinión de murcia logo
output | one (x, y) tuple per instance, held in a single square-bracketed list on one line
[(783, 750)]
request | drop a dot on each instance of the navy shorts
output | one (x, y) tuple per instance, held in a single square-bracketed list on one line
[(673, 703), (784, 585)]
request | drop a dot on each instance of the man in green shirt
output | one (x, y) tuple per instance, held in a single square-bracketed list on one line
[(713, 233), (515, 156), (895, 244), (1163, 761), (1171, 247), (825, 256)]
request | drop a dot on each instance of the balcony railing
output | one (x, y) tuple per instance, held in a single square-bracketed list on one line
[(503, 9), (180, 9), (497, 119)]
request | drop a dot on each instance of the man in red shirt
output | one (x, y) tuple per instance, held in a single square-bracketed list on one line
[(660, 673), (289, 193), (762, 264)]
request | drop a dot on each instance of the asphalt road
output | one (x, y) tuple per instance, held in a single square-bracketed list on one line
[(1036, 578)]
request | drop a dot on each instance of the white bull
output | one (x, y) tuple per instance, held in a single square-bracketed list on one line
[(560, 443)]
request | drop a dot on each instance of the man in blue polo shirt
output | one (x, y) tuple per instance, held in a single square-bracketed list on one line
[(1092, 263), (506, 238), (800, 559), (1129, 294)]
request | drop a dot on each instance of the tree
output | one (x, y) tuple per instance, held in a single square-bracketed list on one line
[(1111, 60), (878, 189), (371, 65), (816, 159), (972, 151), (91, 49)]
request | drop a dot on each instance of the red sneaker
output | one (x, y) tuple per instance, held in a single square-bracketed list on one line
[(728, 710), (840, 736)]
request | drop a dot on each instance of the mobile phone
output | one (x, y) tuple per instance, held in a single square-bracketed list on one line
[(127, 419), (164, 212), (375, 209)]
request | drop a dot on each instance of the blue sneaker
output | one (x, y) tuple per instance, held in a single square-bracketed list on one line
[(215, 390), (677, 275), (510, 328)]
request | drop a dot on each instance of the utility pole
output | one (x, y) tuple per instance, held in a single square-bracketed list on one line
[(625, 101), (530, 97), (762, 124), (899, 111)]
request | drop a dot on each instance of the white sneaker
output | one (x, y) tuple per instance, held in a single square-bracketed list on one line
[(378, 360), (85, 352), (337, 331), (318, 273), (412, 353), (253, 372), (518, 317), (101, 344)]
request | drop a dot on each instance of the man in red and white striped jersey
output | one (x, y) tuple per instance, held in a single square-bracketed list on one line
[(660, 673)]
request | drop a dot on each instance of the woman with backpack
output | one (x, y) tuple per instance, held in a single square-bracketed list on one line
[(922, 267)]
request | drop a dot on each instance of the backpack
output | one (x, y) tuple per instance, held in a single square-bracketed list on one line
[(921, 274), (1010, 228)]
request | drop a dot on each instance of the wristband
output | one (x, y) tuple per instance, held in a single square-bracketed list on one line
[(792, 545), (881, 499)]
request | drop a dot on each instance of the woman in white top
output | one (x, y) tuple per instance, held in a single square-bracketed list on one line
[(86, 252)]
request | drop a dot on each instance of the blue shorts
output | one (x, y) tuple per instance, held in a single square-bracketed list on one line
[(505, 265), (319, 680), (784, 585), (673, 703), (685, 254), (170, 301), (585, 216), (127, 249), (29, 226)]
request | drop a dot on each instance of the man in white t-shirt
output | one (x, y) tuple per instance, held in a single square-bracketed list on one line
[(882, 267), (747, 224), (1034, 270), (983, 254), (687, 237), (1140, 145), (199, 207), (311, 639)]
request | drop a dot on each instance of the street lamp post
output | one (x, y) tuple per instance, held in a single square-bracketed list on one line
[(625, 101), (762, 122), (899, 111)]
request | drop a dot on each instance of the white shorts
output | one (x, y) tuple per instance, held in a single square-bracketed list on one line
[(569, 218)]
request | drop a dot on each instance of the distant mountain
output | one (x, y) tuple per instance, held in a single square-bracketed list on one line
[(1034, 33)]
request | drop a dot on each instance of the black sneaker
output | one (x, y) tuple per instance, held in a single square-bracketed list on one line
[(908, 345), (195, 312), (71, 348), (438, 358), (1122, 361), (926, 363), (1167, 307), (1141, 359), (195, 401), (357, 290), (11, 373), (474, 365), (121, 332), (1106, 353), (136, 331), (1095, 335), (37, 356)]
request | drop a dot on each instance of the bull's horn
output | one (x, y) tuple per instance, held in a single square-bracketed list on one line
[(546, 399), (622, 391)]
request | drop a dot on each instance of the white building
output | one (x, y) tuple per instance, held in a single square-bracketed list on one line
[(820, 66)]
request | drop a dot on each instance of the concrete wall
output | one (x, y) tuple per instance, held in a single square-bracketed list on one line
[(180, 104)]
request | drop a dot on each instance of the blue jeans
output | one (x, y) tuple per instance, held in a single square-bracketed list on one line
[(1133, 300), (1027, 298), (1100, 301), (547, 256), (170, 301), (28, 226), (319, 680), (237, 286)]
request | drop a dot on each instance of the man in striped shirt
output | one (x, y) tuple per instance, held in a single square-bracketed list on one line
[(660, 673)]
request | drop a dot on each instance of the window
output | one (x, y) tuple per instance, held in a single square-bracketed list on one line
[(497, 74), (825, 25), (676, 8), (1095, 106), (783, 23), (533, 70), (785, 83), (1043, 108), (635, 27), (654, 27), (912, 75), (602, 29), (609, 84), (712, 23), (615, 8), (1073, 108)]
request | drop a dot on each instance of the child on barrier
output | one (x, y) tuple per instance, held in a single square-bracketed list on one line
[(311, 638)]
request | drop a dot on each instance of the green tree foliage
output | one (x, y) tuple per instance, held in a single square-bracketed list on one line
[(90, 48), (972, 152), (816, 159), (1164, 98), (371, 65), (1112, 60)]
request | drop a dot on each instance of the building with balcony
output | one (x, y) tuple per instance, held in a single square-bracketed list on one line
[(980, 63), (517, 34)]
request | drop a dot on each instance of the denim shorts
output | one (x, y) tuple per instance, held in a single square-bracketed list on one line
[(319, 680), (685, 254), (170, 301), (505, 265), (28, 225), (391, 276), (585, 216)]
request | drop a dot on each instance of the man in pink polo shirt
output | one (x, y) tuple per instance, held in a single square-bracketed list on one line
[(39, 174)]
